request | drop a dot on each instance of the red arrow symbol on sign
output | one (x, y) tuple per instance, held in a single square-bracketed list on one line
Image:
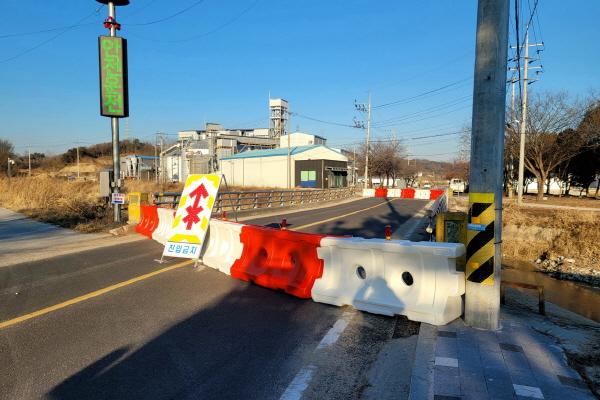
[(192, 217)]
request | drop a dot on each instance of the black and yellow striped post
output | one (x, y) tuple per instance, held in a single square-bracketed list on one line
[(480, 239), (482, 273)]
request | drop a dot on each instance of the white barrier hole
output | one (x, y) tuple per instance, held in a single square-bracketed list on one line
[(361, 273), (407, 278)]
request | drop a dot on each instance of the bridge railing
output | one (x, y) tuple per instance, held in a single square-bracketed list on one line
[(240, 201)]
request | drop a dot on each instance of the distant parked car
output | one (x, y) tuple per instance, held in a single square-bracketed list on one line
[(427, 186)]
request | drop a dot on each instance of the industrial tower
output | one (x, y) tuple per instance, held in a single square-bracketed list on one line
[(279, 117)]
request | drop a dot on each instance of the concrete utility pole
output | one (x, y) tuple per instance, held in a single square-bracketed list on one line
[(482, 303), (29, 160), (523, 123), (368, 142), (9, 162), (361, 125), (289, 159), (354, 165)]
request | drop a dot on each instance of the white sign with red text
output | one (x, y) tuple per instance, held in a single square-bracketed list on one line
[(187, 234)]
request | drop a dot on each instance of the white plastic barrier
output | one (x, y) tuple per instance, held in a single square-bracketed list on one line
[(422, 194), (223, 245), (368, 193), (394, 193), (165, 220), (416, 279)]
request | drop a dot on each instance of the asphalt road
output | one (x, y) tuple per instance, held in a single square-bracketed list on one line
[(183, 333), (366, 218)]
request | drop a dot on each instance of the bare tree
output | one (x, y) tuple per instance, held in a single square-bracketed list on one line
[(552, 137), (385, 159), (6, 151)]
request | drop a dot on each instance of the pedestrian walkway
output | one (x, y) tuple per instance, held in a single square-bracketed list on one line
[(23, 239), (458, 362)]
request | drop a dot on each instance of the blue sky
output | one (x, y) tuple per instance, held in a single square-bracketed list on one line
[(219, 60)]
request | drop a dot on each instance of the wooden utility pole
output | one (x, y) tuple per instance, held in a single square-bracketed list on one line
[(482, 300)]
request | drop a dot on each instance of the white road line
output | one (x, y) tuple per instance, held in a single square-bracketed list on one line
[(302, 379), (299, 384), (334, 333)]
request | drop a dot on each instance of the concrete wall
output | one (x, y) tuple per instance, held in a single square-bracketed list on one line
[(301, 139), (270, 171), (260, 171)]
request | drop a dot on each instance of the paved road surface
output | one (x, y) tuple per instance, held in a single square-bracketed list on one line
[(182, 333)]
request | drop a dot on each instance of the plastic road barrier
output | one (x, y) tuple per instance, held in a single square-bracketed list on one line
[(381, 192), (166, 216), (394, 193), (416, 279), (435, 193), (368, 193), (279, 259), (408, 193), (422, 194), (149, 220), (223, 245)]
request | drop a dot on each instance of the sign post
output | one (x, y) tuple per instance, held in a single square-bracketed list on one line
[(114, 99), (187, 234)]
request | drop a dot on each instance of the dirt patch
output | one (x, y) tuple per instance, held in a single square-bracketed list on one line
[(563, 243)]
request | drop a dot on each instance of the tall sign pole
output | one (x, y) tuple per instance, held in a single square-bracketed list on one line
[(114, 98), (482, 299)]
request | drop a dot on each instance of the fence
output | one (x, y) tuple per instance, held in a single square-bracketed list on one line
[(240, 201)]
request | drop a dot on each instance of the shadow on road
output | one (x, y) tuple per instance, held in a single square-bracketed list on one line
[(371, 226), (236, 348)]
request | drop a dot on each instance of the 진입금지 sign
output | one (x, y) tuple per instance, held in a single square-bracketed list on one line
[(114, 96)]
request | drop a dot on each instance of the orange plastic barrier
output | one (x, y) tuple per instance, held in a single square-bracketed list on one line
[(435, 193), (381, 192), (279, 259), (149, 220), (408, 193)]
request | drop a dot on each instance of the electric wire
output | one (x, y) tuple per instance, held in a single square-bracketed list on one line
[(425, 111), (207, 33), (196, 3), (29, 50), (406, 99)]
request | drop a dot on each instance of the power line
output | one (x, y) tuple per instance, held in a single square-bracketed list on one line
[(399, 139), (17, 34), (424, 118), (207, 33), (321, 120), (406, 99), (168, 17), (29, 50), (427, 110)]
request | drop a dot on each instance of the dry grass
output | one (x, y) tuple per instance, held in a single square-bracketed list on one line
[(72, 204), (68, 204), (530, 233)]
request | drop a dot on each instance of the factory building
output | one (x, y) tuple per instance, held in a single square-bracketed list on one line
[(308, 166), (199, 151)]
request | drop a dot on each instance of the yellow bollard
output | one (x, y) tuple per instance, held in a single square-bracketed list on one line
[(135, 200)]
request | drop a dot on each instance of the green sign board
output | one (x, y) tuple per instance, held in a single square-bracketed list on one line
[(114, 96)]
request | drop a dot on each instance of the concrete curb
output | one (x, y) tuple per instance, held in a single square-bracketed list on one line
[(421, 381)]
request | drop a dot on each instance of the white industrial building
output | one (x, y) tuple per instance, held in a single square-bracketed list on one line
[(199, 151), (312, 166), (301, 139)]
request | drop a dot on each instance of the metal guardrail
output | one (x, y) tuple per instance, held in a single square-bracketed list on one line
[(240, 201)]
